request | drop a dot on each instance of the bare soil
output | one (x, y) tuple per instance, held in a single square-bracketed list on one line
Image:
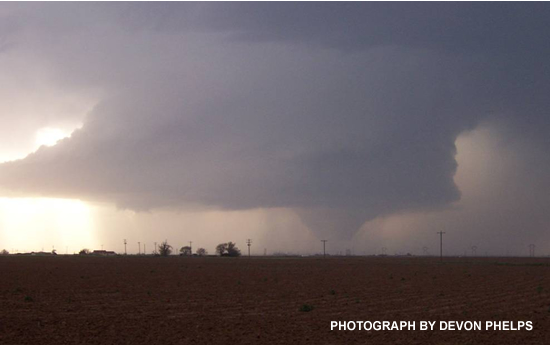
[(174, 300)]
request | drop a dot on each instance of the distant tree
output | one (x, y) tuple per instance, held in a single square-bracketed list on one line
[(4, 252), (201, 252), (228, 249), (232, 249), (186, 251), (221, 249), (84, 251), (165, 249)]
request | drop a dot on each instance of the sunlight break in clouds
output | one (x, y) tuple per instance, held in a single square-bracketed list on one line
[(29, 224), (49, 136), (32, 224)]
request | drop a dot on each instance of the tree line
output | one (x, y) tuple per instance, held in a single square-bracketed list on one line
[(222, 249), (165, 249)]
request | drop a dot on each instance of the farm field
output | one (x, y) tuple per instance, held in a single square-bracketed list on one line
[(266, 300)]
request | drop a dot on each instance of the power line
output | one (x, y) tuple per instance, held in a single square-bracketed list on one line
[(425, 250), (324, 247), (441, 244), (249, 243)]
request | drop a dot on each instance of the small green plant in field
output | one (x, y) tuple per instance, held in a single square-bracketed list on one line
[(28, 299), (539, 289), (332, 292), (306, 308)]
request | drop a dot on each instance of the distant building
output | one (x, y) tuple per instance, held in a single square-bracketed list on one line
[(103, 253), (41, 253)]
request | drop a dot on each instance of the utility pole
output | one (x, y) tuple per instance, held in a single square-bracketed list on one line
[(190, 247), (324, 247), (144, 251), (249, 243), (125, 253), (425, 250), (101, 247), (474, 251), (156, 248), (441, 244), (139, 248)]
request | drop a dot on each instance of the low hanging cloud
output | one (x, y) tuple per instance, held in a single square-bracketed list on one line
[(269, 106)]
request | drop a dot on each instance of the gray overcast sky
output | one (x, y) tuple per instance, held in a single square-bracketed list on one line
[(348, 118)]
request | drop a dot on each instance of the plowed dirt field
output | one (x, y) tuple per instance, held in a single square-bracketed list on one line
[(264, 300)]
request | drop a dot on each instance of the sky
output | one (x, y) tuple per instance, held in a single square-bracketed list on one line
[(371, 125)]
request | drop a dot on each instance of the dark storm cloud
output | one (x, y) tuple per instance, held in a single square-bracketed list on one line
[(345, 112), (462, 28)]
